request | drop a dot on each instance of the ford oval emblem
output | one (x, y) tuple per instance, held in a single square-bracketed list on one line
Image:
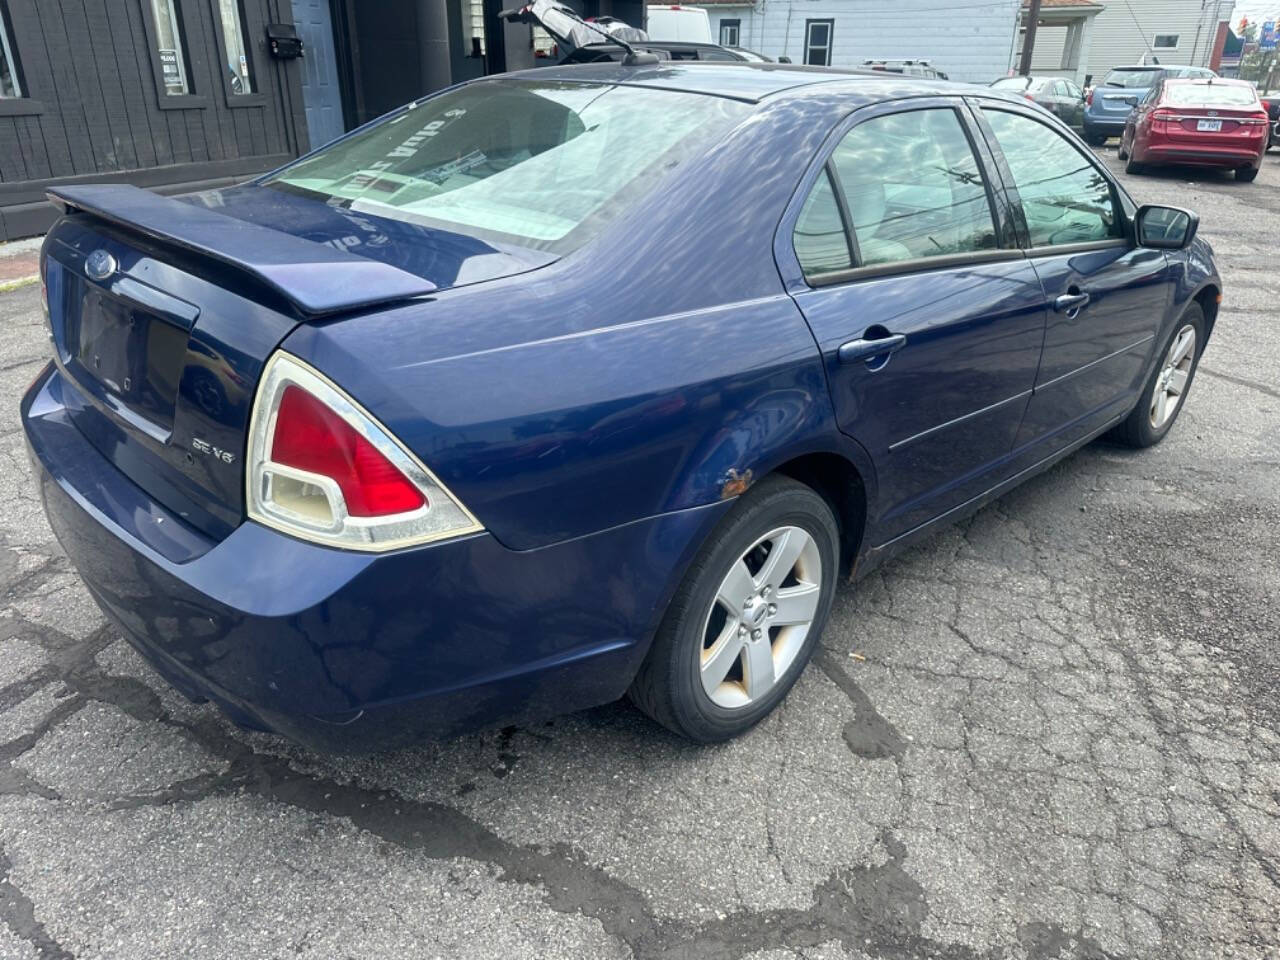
[(100, 265)]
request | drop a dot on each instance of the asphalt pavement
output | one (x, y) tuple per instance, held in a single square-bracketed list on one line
[(1048, 732)]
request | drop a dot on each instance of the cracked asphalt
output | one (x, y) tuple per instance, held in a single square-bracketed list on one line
[(1049, 732)]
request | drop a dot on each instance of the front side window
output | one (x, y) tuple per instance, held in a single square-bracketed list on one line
[(913, 188), (817, 42), (1065, 197), (541, 164), (239, 64), (729, 32), (170, 47), (1165, 41), (10, 85)]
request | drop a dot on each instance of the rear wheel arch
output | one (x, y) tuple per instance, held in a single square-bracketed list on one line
[(840, 483)]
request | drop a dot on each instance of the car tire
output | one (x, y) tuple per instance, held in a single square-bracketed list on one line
[(1143, 428), (1094, 139), (1247, 174), (1132, 167), (1121, 153), (679, 684)]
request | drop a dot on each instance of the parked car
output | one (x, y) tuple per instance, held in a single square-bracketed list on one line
[(602, 39), (1058, 95), (1108, 103), (913, 67), (1217, 123), (1271, 103), (546, 408), (679, 24), (752, 57)]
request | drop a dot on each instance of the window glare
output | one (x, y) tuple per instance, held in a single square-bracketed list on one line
[(239, 66), (540, 164), (913, 188), (9, 86), (1065, 198)]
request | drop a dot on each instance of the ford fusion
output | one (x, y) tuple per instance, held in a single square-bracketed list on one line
[(591, 381)]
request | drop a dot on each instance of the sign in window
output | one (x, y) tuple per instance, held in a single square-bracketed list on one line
[(169, 47), (239, 64)]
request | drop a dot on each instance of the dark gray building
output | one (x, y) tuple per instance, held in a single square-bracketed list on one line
[(177, 95)]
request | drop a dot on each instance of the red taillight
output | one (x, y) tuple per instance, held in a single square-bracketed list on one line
[(1027, 96), (311, 437), (1162, 114), (1088, 97)]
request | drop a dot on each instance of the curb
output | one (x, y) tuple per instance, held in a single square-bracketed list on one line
[(18, 282)]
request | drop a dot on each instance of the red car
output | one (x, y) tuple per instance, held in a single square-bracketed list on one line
[(1214, 122)]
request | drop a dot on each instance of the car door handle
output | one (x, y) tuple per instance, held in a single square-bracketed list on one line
[(1070, 302), (866, 349)]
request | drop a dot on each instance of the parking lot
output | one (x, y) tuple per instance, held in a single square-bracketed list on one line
[(1052, 731)]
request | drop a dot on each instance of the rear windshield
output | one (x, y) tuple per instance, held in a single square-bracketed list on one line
[(541, 164), (1132, 79), (1208, 95)]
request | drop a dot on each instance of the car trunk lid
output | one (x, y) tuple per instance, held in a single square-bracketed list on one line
[(163, 315)]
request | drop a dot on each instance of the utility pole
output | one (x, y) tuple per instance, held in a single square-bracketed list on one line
[(1029, 38)]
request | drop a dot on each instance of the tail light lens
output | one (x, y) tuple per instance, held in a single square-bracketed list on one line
[(1088, 97), (320, 467)]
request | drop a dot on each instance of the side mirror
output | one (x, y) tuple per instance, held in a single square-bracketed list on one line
[(784, 59), (1165, 228)]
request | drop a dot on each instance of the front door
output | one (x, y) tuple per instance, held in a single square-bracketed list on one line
[(929, 326), (1105, 296), (320, 94)]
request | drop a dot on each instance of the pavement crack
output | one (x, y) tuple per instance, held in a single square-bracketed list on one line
[(17, 910)]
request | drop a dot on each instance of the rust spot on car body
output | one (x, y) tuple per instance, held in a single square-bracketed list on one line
[(735, 484)]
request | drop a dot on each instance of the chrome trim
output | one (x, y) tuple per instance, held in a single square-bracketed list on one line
[(443, 517), (1093, 363), (915, 265)]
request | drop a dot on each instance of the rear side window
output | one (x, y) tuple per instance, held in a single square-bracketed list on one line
[(1065, 197), (820, 240), (913, 188)]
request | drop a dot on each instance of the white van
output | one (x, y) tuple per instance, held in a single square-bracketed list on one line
[(679, 24)]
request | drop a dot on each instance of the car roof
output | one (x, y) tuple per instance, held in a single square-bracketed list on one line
[(743, 80)]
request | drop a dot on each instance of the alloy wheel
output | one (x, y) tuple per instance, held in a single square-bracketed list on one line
[(1172, 379), (758, 621)]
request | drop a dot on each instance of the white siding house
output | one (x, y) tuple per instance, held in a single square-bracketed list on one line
[(1122, 32), (966, 39)]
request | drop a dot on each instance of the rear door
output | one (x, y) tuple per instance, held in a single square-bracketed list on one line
[(902, 259), (1106, 296)]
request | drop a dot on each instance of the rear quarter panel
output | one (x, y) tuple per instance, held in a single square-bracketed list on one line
[(638, 376)]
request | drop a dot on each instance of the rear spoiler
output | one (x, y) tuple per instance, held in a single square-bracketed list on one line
[(316, 278)]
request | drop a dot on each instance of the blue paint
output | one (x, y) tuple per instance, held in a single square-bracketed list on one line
[(588, 409)]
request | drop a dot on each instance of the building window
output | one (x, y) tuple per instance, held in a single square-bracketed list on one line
[(170, 47), (239, 63), (10, 84), (1165, 41), (473, 27), (817, 42), (730, 30)]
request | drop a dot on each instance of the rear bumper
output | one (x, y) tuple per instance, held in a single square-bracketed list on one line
[(1166, 152), (1110, 126), (353, 652)]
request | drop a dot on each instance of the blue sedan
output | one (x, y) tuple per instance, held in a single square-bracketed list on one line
[(590, 381)]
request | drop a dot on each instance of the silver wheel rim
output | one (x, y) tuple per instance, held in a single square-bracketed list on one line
[(760, 617), (1171, 382)]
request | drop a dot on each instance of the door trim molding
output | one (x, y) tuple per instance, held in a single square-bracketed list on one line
[(1093, 363), (899, 444)]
